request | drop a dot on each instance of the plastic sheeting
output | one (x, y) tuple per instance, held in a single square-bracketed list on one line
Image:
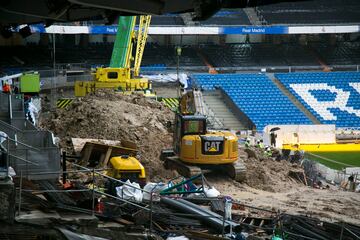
[(154, 188), (177, 238), (171, 77), (3, 137), (130, 191)]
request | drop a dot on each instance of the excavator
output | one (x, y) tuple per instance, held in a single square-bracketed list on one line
[(196, 148), (123, 73)]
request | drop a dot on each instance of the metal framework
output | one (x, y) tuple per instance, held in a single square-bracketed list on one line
[(144, 23)]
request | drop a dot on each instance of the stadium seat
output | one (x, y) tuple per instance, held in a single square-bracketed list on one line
[(314, 90), (256, 96)]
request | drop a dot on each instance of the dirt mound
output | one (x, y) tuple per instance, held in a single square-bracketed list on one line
[(267, 174), (107, 115)]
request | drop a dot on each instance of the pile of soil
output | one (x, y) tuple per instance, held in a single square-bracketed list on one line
[(112, 116), (267, 174)]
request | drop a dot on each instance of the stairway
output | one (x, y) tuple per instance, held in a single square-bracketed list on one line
[(30, 150), (253, 17), (214, 101), (292, 98), (187, 18)]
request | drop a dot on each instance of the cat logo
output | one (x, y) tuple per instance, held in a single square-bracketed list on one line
[(212, 146)]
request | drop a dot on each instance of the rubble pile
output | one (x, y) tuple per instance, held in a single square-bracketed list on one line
[(112, 116), (267, 174)]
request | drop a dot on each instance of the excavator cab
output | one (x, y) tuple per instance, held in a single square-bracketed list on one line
[(188, 125), (196, 148)]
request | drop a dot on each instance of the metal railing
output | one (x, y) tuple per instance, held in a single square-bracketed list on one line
[(277, 216)]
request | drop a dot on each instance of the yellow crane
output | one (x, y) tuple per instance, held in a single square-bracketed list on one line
[(123, 73)]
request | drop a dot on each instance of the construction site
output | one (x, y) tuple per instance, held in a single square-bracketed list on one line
[(180, 120)]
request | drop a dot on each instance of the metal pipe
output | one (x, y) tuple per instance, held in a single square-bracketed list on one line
[(25, 145), (21, 179), (55, 191), (93, 192), (208, 217), (342, 231), (111, 178), (23, 159), (357, 236), (64, 167), (7, 157), (122, 200), (10, 107), (151, 212)]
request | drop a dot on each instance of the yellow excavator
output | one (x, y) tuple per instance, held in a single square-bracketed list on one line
[(196, 148), (123, 73)]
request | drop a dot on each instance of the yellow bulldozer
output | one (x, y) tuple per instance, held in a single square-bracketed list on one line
[(196, 148)]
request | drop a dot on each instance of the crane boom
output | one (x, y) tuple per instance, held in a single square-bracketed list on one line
[(144, 24), (123, 73), (122, 50)]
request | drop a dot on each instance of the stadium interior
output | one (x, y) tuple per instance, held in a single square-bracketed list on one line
[(282, 78)]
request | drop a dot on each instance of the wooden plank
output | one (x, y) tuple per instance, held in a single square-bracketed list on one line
[(87, 150), (107, 157), (79, 143)]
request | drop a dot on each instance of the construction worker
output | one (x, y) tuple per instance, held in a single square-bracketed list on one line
[(6, 87), (273, 139), (261, 144), (257, 144), (247, 142), (268, 152)]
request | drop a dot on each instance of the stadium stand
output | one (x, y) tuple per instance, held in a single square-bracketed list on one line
[(311, 12), (333, 98), (259, 54), (227, 17), (167, 20), (228, 55), (256, 96), (343, 53), (166, 55)]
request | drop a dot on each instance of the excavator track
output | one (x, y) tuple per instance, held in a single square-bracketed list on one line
[(174, 163), (236, 170)]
